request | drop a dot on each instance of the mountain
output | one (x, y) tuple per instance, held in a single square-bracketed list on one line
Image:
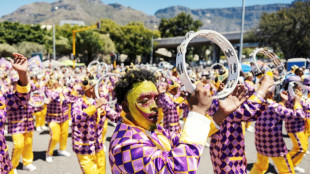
[(223, 19), (89, 11)]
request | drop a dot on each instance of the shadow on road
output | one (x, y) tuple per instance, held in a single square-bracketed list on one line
[(271, 168)]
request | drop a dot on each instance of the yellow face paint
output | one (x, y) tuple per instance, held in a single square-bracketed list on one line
[(142, 104)]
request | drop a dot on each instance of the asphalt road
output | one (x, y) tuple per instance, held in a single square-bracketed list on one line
[(69, 165)]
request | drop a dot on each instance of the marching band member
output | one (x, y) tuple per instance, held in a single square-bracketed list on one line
[(88, 124), (57, 118), (269, 141), (171, 106), (10, 103), (227, 147), (296, 131), (139, 145)]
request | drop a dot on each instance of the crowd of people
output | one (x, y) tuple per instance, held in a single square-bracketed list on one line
[(160, 127)]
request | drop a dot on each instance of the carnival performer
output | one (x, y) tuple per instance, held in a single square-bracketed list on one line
[(40, 112), (296, 131), (248, 79), (269, 141), (88, 124), (10, 103), (306, 82), (57, 117), (139, 145), (171, 105), (227, 148)]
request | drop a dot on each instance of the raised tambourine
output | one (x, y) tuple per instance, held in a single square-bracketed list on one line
[(257, 70), (92, 65), (97, 86), (37, 95), (226, 47), (292, 87)]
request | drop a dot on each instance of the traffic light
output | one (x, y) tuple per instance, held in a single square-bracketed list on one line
[(98, 25)]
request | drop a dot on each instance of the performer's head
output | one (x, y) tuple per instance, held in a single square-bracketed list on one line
[(174, 87), (248, 76), (299, 72), (136, 92), (221, 79), (88, 84)]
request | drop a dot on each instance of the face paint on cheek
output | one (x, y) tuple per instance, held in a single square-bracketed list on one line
[(140, 113)]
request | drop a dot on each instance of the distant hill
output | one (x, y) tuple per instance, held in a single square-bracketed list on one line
[(220, 19), (223, 19), (87, 10)]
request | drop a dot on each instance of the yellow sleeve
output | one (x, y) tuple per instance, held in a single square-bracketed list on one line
[(91, 110), (255, 98), (23, 89), (213, 129)]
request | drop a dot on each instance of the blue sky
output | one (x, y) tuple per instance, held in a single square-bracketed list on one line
[(150, 6)]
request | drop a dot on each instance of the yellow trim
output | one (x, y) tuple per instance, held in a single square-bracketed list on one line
[(90, 110), (2, 106), (255, 98), (281, 103), (297, 106), (83, 144), (235, 158), (23, 89), (50, 114), (25, 119), (174, 124)]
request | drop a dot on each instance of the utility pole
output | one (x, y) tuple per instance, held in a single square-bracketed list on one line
[(242, 28), (54, 48)]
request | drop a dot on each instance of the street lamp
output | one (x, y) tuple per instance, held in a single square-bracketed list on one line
[(242, 27), (54, 48), (151, 60)]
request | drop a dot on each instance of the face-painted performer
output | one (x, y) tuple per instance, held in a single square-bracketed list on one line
[(10, 102), (88, 125), (139, 145), (269, 141), (227, 144)]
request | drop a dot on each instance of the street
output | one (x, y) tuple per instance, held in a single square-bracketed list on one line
[(70, 165)]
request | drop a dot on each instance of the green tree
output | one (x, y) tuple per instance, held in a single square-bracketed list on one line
[(6, 50), (132, 39), (287, 30), (27, 48), (178, 26)]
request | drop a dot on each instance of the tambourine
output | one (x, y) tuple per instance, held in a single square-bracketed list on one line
[(292, 87), (91, 66), (34, 103), (106, 76), (257, 71), (228, 50)]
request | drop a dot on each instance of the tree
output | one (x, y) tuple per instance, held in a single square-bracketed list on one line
[(6, 50), (27, 48), (132, 39), (178, 26), (287, 30)]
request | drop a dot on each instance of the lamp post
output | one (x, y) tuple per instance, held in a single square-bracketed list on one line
[(151, 60), (242, 27), (54, 48)]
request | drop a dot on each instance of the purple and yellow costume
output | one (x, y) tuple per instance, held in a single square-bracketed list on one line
[(88, 134), (269, 141), (9, 103)]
